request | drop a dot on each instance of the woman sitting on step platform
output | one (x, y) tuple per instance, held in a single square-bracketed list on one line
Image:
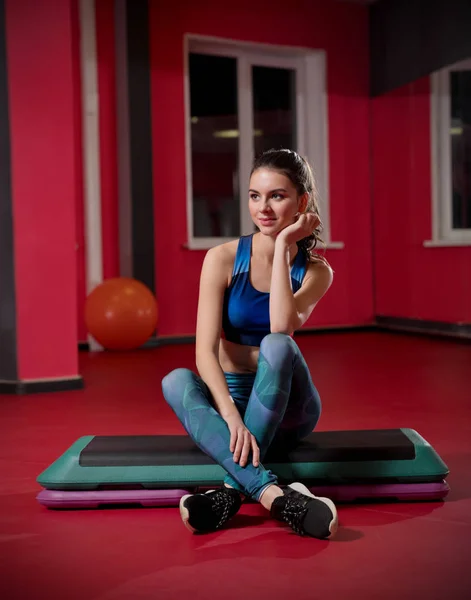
[(254, 389)]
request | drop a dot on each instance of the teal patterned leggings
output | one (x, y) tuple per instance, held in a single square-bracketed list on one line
[(279, 404)]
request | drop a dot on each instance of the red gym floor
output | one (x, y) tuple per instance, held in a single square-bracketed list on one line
[(383, 551)]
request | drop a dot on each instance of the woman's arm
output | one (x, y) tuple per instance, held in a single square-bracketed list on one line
[(217, 264), (213, 283), (288, 311)]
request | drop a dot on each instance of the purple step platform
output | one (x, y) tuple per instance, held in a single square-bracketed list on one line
[(95, 499), (399, 492)]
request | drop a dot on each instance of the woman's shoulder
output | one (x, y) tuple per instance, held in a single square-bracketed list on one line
[(318, 265), (225, 251), (222, 256)]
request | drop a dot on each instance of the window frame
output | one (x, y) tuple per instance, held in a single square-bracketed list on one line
[(311, 134), (443, 233)]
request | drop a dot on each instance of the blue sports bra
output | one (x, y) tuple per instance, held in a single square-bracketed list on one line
[(246, 311)]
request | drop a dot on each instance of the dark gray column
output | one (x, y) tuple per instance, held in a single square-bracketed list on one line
[(8, 355), (140, 141)]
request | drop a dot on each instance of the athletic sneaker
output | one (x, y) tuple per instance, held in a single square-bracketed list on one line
[(202, 513), (305, 513)]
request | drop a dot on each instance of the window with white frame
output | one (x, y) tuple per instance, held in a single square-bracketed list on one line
[(451, 154), (243, 99)]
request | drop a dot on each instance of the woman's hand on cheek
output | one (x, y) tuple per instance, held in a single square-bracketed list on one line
[(303, 227)]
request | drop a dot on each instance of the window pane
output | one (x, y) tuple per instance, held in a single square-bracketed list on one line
[(214, 145), (274, 108), (460, 85)]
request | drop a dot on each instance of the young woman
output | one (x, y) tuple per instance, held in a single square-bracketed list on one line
[(255, 391)]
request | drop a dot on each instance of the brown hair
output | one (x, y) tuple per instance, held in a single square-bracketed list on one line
[(299, 172)]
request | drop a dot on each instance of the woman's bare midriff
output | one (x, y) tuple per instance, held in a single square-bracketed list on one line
[(236, 358)]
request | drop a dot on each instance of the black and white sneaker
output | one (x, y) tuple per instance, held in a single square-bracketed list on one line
[(305, 513), (202, 513)]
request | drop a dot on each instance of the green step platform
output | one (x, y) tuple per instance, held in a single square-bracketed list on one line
[(166, 462)]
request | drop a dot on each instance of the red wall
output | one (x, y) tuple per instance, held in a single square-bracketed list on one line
[(43, 129), (79, 183), (44, 64), (340, 29), (410, 280)]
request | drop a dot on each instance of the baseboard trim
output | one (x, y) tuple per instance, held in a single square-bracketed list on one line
[(336, 329), (38, 386), (154, 342), (170, 340), (461, 331)]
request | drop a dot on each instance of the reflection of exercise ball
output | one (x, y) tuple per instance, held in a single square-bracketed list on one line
[(121, 313)]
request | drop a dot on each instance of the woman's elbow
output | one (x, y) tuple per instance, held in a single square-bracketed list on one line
[(282, 327), (287, 326)]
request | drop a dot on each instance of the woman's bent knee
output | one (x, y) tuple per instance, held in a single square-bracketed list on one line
[(281, 343), (174, 384)]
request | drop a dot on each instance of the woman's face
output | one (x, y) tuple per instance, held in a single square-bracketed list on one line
[(273, 201)]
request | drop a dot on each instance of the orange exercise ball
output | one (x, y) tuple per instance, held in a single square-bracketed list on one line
[(121, 313)]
